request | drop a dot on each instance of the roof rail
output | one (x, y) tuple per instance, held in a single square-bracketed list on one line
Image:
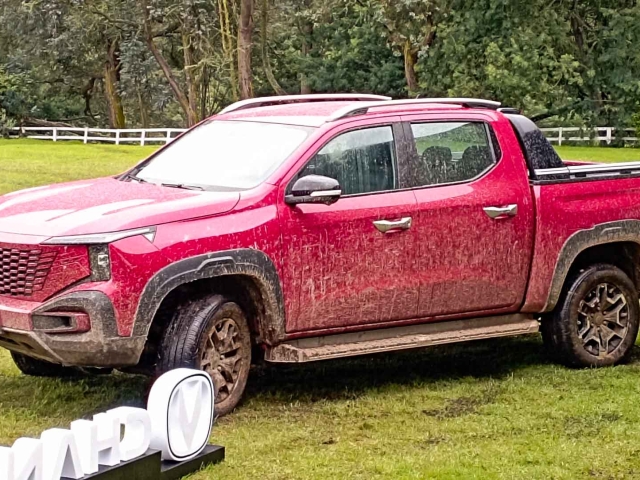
[(351, 110), (329, 97)]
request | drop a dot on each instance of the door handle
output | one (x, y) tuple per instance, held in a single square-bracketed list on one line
[(500, 212), (388, 225)]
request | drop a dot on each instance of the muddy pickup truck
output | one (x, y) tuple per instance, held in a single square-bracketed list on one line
[(296, 229)]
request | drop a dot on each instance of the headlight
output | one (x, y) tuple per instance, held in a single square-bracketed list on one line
[(98, 244), (102, 238)]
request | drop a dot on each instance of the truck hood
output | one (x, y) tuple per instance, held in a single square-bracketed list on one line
[(104, 205)]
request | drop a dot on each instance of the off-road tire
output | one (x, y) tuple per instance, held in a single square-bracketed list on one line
[(39, 368), (210, 333), (595, 323)]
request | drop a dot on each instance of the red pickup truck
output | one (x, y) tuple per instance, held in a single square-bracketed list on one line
[(305, 228)]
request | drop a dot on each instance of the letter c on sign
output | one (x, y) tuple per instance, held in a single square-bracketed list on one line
[(181, 408)]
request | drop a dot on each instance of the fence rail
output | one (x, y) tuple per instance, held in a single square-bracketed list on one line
[(598, 134), (141, 136)]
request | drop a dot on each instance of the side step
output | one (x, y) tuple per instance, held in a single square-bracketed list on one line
[(400, 338)]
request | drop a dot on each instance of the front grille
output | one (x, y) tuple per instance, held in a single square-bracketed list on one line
[(24, 271)]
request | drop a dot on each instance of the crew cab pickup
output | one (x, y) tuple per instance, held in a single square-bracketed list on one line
[(302, 228)]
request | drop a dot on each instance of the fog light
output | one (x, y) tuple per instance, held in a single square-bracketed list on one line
[(52, 322)]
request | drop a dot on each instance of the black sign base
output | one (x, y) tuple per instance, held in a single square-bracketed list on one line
[(175, 470), (151, 467)]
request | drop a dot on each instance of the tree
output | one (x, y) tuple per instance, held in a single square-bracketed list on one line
[(173, 63), (411, 28), (245, 44), (264, 49)]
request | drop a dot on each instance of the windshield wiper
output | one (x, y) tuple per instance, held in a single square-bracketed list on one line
[(182, 185), (131, 176)]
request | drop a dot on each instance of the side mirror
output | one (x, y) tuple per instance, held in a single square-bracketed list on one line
[(314, 189)]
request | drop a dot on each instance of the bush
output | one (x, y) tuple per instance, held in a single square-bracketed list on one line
[(6, 123)]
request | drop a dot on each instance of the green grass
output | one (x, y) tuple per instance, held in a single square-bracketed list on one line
[(28, 163), (591, 154), (485, 410)]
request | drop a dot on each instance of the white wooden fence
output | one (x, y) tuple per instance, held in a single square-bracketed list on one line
[(577, 134), (140, 136), (143, 136)]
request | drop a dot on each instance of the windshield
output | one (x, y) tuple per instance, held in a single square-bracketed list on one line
[(224, 155)]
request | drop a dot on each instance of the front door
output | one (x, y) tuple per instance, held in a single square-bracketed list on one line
[(350, 263)]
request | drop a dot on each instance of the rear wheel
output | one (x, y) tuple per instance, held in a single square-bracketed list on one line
[(595, 323), (210, 333), (39, 368)]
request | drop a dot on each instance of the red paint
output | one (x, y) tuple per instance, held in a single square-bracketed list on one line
[(337, 271)]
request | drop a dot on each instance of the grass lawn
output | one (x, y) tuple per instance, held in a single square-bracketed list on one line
[(485, 410), (29, 163), (591, 154)]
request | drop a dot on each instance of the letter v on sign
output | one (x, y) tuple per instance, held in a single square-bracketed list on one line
[(181, 405), (189, 410)]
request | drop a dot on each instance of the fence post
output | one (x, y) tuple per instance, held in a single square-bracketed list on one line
[(143, 135), (168, 139), (559, 136), (609, 136), (86, 135), (117, 137), (55, 134)]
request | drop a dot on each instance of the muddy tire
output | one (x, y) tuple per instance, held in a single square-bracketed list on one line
[(595, 323), (210, 333), (39, 368)]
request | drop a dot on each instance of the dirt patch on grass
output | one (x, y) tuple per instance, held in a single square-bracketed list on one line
[(576, 426), (461, 406)]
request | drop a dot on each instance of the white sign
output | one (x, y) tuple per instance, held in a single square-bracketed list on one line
[(177, 421)]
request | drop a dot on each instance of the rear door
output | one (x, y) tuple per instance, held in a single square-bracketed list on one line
[(351, 263), (474, 220)]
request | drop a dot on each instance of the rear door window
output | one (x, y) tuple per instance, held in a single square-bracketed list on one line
[(450, 152)]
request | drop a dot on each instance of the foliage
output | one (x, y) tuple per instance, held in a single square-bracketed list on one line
[(170, 63), (6, 123)]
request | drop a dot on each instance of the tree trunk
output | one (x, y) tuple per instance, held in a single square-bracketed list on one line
[(410, 60), (164, 66), (204, 92), (111, 79), (245, 34), (265, 53), (192, 89), (227, 45), (307, 31), (142, 106), (87, 94)]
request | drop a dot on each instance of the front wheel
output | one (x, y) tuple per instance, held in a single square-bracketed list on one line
[(595, 323), (210, 333)]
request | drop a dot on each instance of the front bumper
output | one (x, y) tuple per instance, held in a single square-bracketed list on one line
[(99, 346)]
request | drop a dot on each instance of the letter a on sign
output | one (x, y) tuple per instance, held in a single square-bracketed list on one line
[(61, 457), (181, 409)]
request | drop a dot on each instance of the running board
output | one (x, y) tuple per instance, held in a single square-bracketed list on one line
[(400, 338)]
